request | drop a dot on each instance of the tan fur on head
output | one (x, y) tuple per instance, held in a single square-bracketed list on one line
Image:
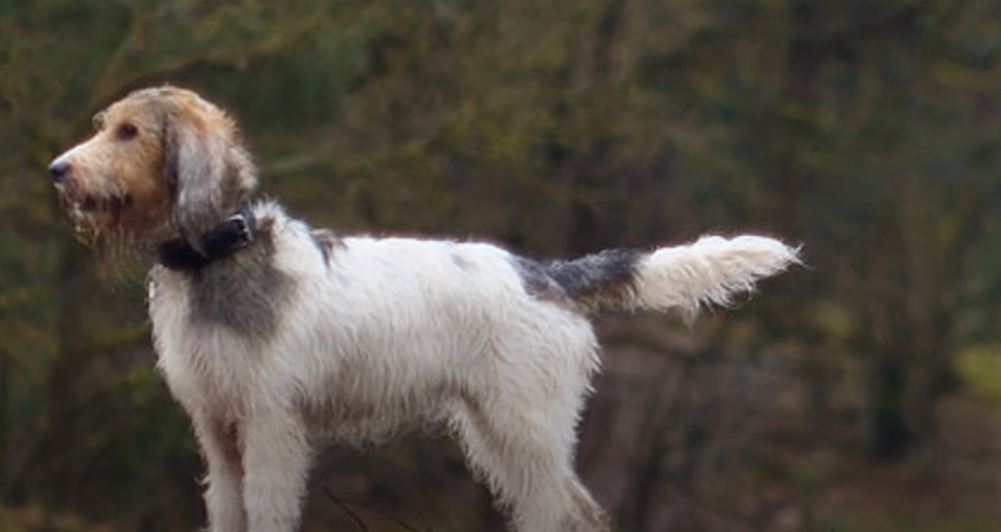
[(163, 163)]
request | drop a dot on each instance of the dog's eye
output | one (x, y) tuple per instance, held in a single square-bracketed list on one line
[(126, 131)]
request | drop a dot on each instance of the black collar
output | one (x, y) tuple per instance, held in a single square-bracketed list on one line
[(236, 233)]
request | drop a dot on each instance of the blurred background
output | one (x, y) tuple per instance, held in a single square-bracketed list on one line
[(860, 393)]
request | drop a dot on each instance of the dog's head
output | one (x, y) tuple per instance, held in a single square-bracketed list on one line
[(163, 162)]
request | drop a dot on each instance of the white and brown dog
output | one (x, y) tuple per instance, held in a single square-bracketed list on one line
[(276, 337)]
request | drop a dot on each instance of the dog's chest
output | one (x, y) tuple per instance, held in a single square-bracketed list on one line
[(211, 330)]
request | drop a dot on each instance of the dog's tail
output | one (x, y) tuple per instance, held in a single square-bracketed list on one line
[(684, 278)]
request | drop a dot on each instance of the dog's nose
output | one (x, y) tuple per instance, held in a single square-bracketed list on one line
[(58, 170)]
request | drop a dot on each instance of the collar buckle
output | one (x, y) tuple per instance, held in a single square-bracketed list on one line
[(223, 240)]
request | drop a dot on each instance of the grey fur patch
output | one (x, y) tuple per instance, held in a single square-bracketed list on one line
[(325, 240), (244, 292), (602, 278), (462, 263)]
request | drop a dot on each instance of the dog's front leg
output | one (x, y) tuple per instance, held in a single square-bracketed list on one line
[(276, 460), (223, 499)]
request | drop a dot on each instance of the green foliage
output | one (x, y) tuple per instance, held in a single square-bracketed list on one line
[(980, 368)]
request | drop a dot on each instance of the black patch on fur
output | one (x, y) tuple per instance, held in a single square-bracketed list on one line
[(325, 240), (605, 275), (245, 292)]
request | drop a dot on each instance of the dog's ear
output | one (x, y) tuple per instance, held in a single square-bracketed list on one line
[(207, 171)]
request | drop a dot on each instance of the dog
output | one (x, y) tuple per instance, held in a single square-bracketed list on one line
[(277, 338)]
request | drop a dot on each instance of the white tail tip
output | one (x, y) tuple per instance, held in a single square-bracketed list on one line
[(710, 271)]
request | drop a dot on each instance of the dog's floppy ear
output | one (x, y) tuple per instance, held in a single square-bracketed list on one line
[(208, 173)]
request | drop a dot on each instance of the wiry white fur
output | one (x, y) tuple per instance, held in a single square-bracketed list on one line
[(710, 271), (392, 332)]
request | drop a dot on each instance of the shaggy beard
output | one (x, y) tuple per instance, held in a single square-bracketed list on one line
[(123, 239)]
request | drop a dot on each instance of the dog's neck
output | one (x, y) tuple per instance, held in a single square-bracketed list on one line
[(235, 233)]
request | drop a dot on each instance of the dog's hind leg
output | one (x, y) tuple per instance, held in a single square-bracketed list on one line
[(524, 449)]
